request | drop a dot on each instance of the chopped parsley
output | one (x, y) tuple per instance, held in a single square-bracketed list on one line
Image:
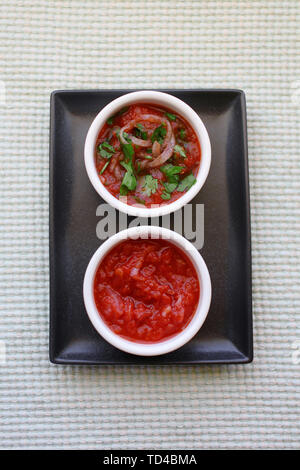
[(129, 179), (128, 151), (140, 132), (126, 137), (186, 183), (171, 116), (165, 195), (172, 175), (104, 167), (178, 149), (123, 190), (182, 134), (110, 120), (159, 134), (106, 150), (150, 186), (170, 170), (170, 187)]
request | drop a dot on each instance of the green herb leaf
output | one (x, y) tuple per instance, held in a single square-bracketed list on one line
[(150, 185), (126, 165), (171, 116), (182, 134), (173, 179), (180, 150), (170, 187), (186, 183), (170, 170), (106, 150), (165, 195), (108, 146), (128, 151), (126, 137), (129, 179), (159, 134), (123, 191), (148, 157), (104, 167), (172, 174), (122, 111), (140, 132)]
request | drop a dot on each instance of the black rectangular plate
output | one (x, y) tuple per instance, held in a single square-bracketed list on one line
[(226, 336)]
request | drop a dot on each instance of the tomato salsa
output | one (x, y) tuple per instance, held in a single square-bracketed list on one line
[(147, 155), (146, 290)]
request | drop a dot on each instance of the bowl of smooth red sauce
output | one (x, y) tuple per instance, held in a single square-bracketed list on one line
[(147, 290), (147, 153)]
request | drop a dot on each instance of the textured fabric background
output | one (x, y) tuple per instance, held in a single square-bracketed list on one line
[(47, 45)]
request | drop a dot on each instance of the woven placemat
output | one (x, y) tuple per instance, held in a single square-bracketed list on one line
[(47, 45)]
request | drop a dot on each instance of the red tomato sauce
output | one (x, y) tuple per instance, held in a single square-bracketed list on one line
[(146, 290), (135, 174)]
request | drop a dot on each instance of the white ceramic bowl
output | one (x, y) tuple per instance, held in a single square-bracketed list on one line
[(164, 346), (157, 98)]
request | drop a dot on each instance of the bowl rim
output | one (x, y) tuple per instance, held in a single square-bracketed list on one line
[(174, 342), (159, 98)]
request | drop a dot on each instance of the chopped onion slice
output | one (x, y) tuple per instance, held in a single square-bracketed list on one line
[(167, 145), (156, 149), (140, 142), (130, 125), (147, 118), (163, 157)]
